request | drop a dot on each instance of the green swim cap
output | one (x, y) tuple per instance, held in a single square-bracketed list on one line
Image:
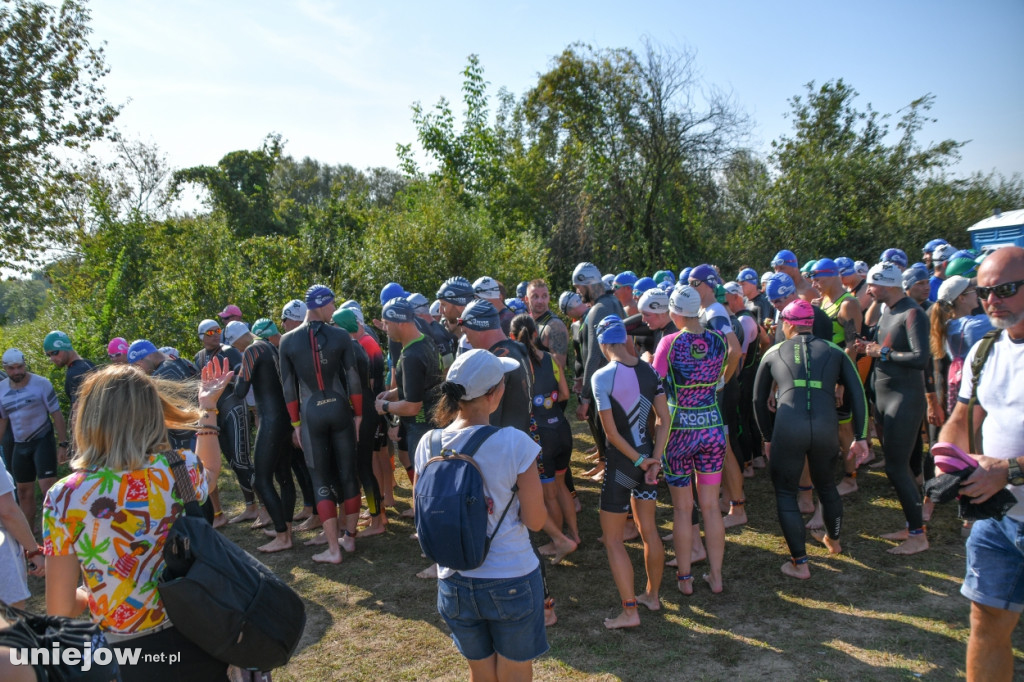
[(808, 266), (965, 267), (346, 319), (56, 340), (264, 328), (720, 293)]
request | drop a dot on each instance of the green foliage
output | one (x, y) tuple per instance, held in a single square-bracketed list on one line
[(22, 299), (52, 99)]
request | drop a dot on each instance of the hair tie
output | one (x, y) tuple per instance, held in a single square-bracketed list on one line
[(453, 391)]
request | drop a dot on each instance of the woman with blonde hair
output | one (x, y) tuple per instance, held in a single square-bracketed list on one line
[(107, 522), (954, 329)]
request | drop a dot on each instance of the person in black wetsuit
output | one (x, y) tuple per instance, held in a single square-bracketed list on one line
[(901, 356), (57, 346), (144, 355), (806, 370), (757, 302), (324, 399), (651, 324), (233, 422), (273, 451)]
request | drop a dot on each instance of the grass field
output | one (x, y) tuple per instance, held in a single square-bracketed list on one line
[(863, 615)]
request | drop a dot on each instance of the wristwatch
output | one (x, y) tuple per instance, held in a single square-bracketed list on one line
[(1014, 474), (385, 407), (883, 353), (62, 444)]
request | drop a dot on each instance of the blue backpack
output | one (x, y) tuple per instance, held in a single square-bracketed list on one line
[(451, 506)]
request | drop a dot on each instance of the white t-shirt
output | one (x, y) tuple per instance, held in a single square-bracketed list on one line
[(13, 573), (502, 457), (1001, 394)]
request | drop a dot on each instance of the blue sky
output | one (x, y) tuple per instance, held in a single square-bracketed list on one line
[(336, 79)]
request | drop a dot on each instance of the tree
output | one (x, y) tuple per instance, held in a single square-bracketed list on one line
[(51, 98)]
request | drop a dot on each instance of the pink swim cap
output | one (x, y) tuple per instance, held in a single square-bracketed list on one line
[(799, 313), (117, 345)]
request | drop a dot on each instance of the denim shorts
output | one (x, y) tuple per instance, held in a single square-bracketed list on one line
[(995, 564), (503, 615)]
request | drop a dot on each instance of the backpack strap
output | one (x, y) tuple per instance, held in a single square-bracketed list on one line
[(977, 365), (472, 445)]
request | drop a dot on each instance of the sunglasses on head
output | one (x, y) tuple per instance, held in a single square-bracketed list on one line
[(211, 332), (1004, 290), (52, 353)]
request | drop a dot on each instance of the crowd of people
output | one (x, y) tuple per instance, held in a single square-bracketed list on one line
[(696, 381)]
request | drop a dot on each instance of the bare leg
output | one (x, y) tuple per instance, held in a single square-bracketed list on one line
[(714, 533), (833, 546), (849, 483), (612, 525), (331, 555), (568, 507), (27, 502), (682, 532), (989, 647), (654, 552)]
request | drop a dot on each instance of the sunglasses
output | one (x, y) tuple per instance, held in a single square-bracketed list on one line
[(695, 283), (115, 355), (52, 353), (1004, 290), (211, 332)]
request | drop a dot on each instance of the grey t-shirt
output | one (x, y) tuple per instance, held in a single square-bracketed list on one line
[(28, 407)]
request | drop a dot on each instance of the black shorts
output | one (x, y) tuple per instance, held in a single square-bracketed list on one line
[(621, 481), (555, 449), (35, 459)]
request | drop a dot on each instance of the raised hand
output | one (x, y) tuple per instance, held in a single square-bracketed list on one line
[(215, 378)]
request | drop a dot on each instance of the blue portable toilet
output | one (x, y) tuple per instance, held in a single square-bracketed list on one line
[(999, 229)]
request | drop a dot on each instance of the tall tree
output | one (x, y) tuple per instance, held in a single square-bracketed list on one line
[(51, 98)]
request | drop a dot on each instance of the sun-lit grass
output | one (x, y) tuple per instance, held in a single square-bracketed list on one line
[(863, 615)]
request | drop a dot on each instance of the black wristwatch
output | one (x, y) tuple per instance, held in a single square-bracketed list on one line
[(62, 444), (1014, 474), (385, 407)]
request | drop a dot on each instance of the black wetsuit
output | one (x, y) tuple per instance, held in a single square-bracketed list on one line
[(180, 370), (806, 370), (417, 377), (515, 407), (646, 339), (73, 378), (274, 451), (761, 307), (233, 422), (553, 428), (367, 431), (322, 392), (749, 436), (898, 384), (593, 358)]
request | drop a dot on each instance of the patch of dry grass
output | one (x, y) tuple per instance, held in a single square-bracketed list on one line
[(863, 615)]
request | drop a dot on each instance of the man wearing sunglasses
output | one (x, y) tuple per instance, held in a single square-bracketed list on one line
[(57, 346), (995, 560), (27, 404)]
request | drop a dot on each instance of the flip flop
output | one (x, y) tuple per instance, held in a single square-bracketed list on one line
[(951, 459)]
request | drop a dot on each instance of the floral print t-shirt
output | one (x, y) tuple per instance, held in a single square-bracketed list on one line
[(116, 522)]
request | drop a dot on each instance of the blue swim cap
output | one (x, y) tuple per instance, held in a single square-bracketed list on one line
[(317, 296), (684, 276), (626, 278), (456, 290), (392, 290), (895, 256), (780, 285), (747, 275), (516, 305), (398, 309), (611, 330), (785, 257), (824, 267), (932, 245), (642, 285), (521, 289), (140, 349), (846, 266)]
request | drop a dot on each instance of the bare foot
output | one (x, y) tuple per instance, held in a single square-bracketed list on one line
[(577, 505), (428, 572), (673, 562), (598, 477), (281, 542), (320, 539), (651, 601), (912, 545), (817, 521), (798, 571), (898, 535), (328, 556), (270, 532), (550, 618), (697, 556), (388, 501), (262, 521), (562, 552), (759, 463), (593, 472), (249, 514), (805, 500), (927, 509), (876, 463), (833, 546), (748, 471), (847, 485), (408, 513), (626, 619), (311, 523), (714, 583), (724, 506), (547, 550), (376, 527), (685, 584), (667, 538), (736, 517), (303, 515), (219, 520), (347, 543)]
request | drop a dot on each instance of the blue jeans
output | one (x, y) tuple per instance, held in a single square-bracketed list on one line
[(995, 564), (503, 615)]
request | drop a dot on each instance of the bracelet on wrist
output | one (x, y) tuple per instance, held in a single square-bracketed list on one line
[(31, 554)]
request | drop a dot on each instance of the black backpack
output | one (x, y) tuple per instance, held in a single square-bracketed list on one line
[(451, 506), (220, 597)]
